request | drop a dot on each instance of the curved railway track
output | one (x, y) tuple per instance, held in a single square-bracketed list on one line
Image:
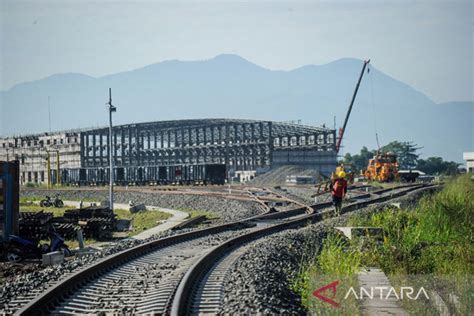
[(163, 276), (202, 289)]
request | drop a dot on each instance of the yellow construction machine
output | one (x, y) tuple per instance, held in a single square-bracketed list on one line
[(383, 168)]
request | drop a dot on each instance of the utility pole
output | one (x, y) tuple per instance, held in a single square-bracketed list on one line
[(111, 155)]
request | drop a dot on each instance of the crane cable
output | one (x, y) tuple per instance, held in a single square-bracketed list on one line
[(374, 113)]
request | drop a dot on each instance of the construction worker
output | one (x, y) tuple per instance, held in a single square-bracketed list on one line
[(339, 190)]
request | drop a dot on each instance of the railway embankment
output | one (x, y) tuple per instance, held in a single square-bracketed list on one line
[(426, 244), (271, 277)]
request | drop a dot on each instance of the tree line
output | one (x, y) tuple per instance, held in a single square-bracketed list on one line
[(408, 158)]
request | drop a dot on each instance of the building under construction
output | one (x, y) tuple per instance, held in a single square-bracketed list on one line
[(172, 151)]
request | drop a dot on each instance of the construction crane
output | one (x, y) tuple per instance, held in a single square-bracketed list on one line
[(324, 186), (343, 129)]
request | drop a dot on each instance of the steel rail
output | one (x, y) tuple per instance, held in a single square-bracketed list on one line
[(43, 303), (185, 292)]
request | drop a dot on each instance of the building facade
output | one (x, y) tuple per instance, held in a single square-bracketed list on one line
[(469, 158), (240, 145), (33, 152)]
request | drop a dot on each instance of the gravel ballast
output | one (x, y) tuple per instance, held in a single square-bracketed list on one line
[(226, 209), (259, 281), (37, 277), (15, 287)]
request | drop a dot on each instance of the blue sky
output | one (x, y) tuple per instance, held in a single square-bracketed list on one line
[(427, 44)]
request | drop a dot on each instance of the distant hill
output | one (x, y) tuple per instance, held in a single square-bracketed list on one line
[(230, 86)]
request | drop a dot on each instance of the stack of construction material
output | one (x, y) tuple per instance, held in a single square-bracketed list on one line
[(35, 225), (96, 221), (65, 229)]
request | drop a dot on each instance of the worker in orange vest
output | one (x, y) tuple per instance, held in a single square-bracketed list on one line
[(339, 190)]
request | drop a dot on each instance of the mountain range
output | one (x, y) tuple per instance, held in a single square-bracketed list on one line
[(229, 86)]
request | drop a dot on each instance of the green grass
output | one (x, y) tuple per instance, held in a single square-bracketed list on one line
[(195, 213), (142, 220), (338, 260), (30, 199), (433, 238), (57, 211)]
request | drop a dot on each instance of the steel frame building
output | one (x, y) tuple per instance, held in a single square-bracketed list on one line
[(237, 143)]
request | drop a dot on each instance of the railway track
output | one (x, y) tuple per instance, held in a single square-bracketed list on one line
[(138, 280), (202, 289), (161, 276)]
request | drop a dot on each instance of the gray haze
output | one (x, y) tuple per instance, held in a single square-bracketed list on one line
[(427, 44), (230, 86)]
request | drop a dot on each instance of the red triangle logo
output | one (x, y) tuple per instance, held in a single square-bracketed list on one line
[(332, 286)]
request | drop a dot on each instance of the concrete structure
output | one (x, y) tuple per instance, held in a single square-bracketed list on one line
[(373, 281), (469, 157), (362, 231), (52, 258), (242, 145), (32, 153)]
